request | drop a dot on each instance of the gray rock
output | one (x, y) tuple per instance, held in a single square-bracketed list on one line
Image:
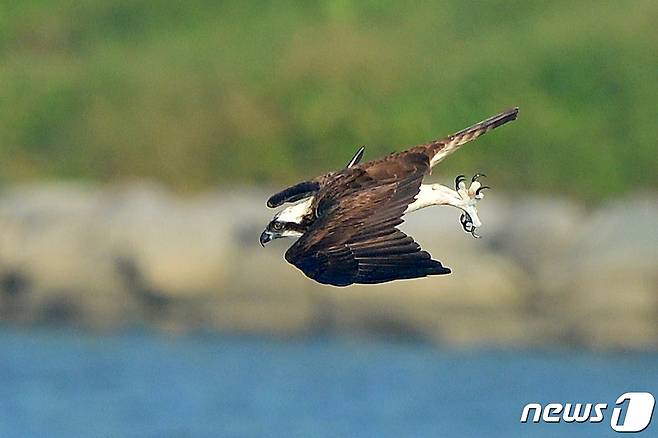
[(544, 272)]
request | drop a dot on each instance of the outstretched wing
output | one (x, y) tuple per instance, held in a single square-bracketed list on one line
[(355, 239), (440, 149)]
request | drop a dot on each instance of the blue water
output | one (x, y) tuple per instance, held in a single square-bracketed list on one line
[(68, 384)]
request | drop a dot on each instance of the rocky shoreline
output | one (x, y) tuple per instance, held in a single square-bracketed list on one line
[(546, 272)]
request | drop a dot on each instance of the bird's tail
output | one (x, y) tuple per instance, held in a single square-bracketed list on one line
[(439, 149)]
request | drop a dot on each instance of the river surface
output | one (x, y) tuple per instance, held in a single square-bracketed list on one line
[(56, 383)]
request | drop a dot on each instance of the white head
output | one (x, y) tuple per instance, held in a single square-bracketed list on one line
[(289, 222)]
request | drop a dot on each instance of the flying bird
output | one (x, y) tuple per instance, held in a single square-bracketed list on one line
[(347, 221)]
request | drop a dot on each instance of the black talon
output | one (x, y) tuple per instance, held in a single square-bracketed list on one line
[(476, 176), (467, 225), (460, 178), (477, 192), (467, 222)]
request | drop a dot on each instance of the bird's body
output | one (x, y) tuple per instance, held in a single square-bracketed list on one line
[(347, 220)]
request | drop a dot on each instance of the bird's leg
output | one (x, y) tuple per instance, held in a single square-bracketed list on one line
[(468, 198), (461, 197)]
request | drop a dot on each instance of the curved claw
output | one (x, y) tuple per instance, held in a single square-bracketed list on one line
[(467, 225), (467, 222), (459, 179), (477, 176), (477, 192)]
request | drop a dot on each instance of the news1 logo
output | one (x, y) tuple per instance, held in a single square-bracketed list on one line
[(632, 413)]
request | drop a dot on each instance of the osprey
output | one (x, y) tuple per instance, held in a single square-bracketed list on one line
[(347, 220)]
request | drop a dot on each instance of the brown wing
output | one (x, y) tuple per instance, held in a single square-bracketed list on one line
[(355, 239), (440, 149), (435, 151)]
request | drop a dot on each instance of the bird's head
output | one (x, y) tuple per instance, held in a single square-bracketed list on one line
[(277, 229), (289, 222)]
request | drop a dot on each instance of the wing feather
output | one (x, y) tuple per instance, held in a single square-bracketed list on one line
[(355, 239)]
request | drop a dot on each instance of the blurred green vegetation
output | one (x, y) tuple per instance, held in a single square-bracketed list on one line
[(202, 93)]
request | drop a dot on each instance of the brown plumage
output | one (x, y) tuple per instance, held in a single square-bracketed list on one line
[(351, 233)]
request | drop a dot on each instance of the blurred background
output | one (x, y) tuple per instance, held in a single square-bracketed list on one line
[(139, 141)]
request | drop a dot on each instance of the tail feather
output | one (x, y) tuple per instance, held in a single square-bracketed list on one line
[(439, 149)]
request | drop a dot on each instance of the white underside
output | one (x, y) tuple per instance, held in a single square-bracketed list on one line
[(437, 194)]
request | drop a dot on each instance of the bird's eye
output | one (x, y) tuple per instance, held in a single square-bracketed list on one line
[(277, 226)]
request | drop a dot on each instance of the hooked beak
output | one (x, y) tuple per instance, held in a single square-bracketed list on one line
[(265, 237)]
